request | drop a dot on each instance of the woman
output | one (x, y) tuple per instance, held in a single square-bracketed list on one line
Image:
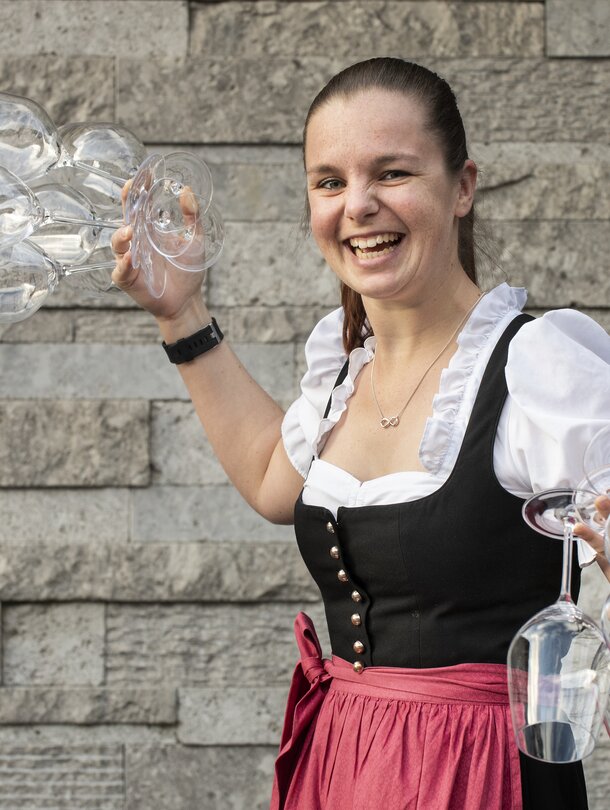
[(408, 460)]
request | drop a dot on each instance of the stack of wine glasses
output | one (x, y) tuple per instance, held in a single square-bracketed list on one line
[(559, 661), (60, 200)]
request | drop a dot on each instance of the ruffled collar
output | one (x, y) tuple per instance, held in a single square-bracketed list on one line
[(459, 383)]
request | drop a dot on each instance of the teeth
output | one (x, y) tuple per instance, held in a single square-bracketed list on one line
[(362, 255), (372, 241)]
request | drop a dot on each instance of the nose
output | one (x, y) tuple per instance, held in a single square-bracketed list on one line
[(360, 202)]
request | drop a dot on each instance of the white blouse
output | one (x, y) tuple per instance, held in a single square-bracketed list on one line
[(558, 375)]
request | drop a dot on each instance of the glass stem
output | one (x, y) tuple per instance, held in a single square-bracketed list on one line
[(72, 269), (99, 172), (568, 548), (93, 223)]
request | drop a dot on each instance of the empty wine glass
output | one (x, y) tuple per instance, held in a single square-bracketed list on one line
[(558, 662), (21, 211), (28, 276), (31, 145)]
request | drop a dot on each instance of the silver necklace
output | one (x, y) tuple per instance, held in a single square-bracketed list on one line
[(394, 421)]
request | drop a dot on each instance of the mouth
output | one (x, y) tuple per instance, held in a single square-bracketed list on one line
[(375, 245)]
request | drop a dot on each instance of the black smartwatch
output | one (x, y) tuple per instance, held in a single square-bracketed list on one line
[(190, 347)]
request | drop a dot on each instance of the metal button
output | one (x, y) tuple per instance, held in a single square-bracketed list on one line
[(356, 619), (334, 552), (358, 666), (342, 576), (358, 647), (330, 528), (356, 597)]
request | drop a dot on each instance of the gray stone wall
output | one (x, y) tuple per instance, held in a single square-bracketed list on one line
[(146, 640)]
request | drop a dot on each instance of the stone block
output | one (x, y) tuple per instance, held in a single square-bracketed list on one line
[(204, 644), (249, 715), (62, 777), (87, 706), (501, 99), (63, 516), (187, 514), (271, 265), (46, 327), (94, 371), (180, 451), (79, 88), (574, 28), (287, 324), (543, 182), (560, 263), (174, 777), (241, 571), (358, 30), (132, 327), (53, 644), (95, 27), (81, 443)]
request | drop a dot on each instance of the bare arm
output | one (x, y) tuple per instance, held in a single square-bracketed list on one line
[(240, 419)]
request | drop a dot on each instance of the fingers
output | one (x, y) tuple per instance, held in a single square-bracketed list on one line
[(121, 240), (602, 504), (124, 193), (594, 539), (124, 274)]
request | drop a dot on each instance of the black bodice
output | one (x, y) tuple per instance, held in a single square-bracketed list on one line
[(443, 580)]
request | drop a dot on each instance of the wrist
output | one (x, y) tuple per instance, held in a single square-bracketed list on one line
[(187, 321)]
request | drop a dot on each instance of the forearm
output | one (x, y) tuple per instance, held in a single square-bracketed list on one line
[(242, 422)]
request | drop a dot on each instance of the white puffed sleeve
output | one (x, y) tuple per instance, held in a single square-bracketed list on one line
[(558, 376), (325, 357)]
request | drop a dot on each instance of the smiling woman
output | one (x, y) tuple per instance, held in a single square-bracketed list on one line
[(428, 413)]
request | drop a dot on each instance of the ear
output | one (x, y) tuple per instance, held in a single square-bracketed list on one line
[(467, 187)]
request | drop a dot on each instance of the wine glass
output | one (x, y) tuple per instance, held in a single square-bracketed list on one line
[(22, 213), (28, 276), (558, 662), (31, 145)]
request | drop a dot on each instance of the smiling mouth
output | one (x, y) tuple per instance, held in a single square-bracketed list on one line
[(370, 247)]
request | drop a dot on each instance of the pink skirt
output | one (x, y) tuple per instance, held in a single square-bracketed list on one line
[(395, 739)]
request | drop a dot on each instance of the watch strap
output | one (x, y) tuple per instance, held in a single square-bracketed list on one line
[(186, 349)]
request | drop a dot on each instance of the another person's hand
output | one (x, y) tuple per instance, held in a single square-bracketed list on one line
[(593, 538)]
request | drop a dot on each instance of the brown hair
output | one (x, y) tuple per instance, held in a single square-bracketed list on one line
[(443, 119)]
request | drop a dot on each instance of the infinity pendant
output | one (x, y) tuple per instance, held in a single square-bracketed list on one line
[(391, 422)]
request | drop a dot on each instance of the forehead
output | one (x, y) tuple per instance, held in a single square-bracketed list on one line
[(367, 123)]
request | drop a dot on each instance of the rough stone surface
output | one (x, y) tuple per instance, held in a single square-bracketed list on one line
[(180, 452), (63, 516), (53, 644), (560, 263), (224, 778), (232, 716), (96, 27), (133, 327), (187, 514), (87, 706), (504, 99), (69, 88), (204, 644), (574, 28), (414, 28), (92, 371), (74, 443), (62, 777), (272, 265), (46, 327), (244, 571)]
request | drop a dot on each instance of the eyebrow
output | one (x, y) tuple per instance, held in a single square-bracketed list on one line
[(376, 163)]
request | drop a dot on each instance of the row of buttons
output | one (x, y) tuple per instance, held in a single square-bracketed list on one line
[(356, 618)]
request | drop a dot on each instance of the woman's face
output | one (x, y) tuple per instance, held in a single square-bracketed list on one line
[(384, 208)]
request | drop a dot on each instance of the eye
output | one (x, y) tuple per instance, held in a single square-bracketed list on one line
[(331, 184), (394, 174)]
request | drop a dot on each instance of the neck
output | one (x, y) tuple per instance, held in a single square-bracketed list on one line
[(405, 330)]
